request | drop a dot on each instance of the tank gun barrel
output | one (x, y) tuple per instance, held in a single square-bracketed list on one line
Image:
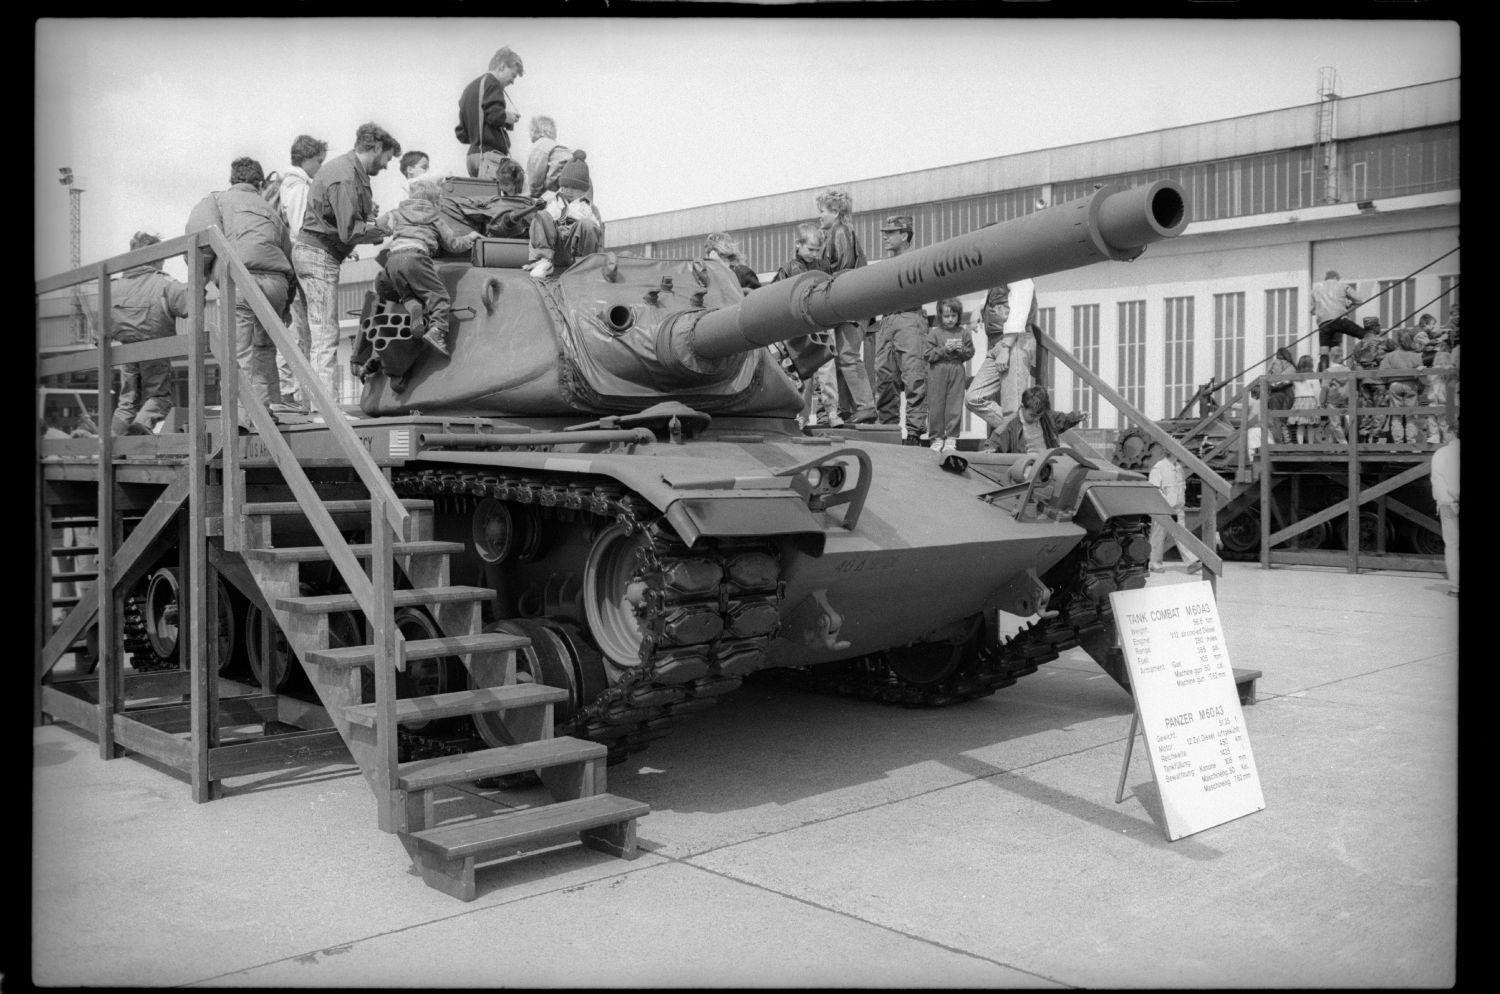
[(1113, 223)]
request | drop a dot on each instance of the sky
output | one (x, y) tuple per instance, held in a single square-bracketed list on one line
[(673, 112)]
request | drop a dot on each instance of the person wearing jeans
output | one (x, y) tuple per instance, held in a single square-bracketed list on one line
[(341, 214)]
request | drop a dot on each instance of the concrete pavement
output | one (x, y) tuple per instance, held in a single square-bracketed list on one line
[(799, 840)]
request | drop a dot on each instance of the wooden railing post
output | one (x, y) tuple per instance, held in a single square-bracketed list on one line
[(201, 630), (1352, 479), (1267, 439), (388, 653), (229, 411), (109, 531)]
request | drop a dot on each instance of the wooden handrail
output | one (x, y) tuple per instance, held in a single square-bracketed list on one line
[(1156, 433), (119, 263), (171, 347), (313, 386)]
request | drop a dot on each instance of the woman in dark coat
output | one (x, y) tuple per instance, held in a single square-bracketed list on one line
[(1282, 395)]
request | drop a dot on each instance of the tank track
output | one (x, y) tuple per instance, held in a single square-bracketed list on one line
[(1082, 618), (143, 658), (709, 613)]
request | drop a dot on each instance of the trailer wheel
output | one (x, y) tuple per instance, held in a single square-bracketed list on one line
[(161, 612)]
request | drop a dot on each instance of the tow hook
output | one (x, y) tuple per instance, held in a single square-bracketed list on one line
[(829, 623)]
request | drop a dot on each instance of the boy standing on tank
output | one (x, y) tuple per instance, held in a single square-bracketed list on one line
[(841, 252), (410, 276), (820, 390)]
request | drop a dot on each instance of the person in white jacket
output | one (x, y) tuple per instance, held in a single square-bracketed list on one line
[(308, 154), (1445, 494), (1168, 477)]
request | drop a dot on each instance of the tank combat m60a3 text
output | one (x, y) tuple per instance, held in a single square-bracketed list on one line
[(618, 452)]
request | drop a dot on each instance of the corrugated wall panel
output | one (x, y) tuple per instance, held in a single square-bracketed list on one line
[(1370, 114)]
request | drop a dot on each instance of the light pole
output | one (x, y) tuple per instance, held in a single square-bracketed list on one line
[(75, 226)]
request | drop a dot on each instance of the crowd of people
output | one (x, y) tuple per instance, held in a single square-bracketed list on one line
[(905, 368), (293, 229), (1426, 352)]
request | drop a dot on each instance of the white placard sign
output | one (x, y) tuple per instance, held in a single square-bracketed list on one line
[(1188, 705)]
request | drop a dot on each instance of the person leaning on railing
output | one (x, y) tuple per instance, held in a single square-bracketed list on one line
[(257, 232), (1403, 392), (144, 304), (1281, 396)]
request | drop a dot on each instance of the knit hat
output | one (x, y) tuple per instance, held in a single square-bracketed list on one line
[(898, 222), (576, 173)]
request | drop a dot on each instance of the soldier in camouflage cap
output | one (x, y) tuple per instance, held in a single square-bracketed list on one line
[(900, 347)]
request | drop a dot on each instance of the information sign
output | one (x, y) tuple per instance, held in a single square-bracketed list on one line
[(1187, 704)]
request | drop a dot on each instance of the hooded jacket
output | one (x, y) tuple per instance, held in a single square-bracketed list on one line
[(415, 226)]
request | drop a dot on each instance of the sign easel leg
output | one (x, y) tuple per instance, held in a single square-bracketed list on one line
[(1135, 724)]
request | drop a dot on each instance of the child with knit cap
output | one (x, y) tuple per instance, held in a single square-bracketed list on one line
[(410, 276), (569, 227)]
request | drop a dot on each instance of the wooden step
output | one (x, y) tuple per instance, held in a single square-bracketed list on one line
[(318, 553), (453, 645), (515, 695), (74, 550), (331, 506), (332, 603), (481, 836), (75, 575), (64, 601), (424, 774), (446, 854)]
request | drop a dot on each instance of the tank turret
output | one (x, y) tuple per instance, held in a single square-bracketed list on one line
[(617, 334)]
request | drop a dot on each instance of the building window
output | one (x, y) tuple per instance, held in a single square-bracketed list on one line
[(1398, 302), (1229, 336), (1281, 318), (1086, 351), (1179, 381), (1448, 287), (1046, 319), (1358, 179), (1131, 378)]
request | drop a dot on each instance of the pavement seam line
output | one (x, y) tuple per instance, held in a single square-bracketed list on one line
[(430, 921), (864, 921)]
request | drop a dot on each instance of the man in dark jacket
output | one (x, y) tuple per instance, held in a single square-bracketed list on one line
[(257, 232), (340, 214), (485, 121), (144, 302)]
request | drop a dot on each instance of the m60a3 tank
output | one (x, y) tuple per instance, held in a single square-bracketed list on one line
[(619, 453)]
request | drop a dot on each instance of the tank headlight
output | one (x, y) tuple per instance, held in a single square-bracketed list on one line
[(814, 478)]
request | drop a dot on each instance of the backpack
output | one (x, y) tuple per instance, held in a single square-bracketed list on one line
[(272, 191)]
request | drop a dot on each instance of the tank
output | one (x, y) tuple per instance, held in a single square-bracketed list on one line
[(617, 449)]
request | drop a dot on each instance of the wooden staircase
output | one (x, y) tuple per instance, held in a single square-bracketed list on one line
[(202, 507), (572, 770)]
